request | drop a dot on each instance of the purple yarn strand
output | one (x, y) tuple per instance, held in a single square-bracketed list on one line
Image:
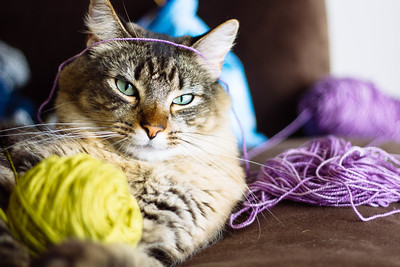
[(325, 172), (303, 117)]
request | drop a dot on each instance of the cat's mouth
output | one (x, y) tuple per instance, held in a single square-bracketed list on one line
[(149, 151), (147, 148), (140, 146)]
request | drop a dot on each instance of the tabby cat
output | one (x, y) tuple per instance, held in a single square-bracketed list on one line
[(156, 111)]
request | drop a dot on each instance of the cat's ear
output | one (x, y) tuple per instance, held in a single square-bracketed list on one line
[(103, 22), (216, 44)]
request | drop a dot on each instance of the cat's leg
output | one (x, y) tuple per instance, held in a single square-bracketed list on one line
[(173, 229), (76, 253), (12, 252), (14, 153)]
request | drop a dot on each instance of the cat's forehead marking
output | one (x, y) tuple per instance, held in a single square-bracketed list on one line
[(138, 70), (103, 46), (157, 68)]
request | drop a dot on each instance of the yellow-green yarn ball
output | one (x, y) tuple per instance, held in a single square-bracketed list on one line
[(73, 197)]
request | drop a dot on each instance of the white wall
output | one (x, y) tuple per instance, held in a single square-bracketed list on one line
[(365, 41)]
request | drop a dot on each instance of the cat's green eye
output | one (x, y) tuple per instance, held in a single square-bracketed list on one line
[(183, 99), (126, 88)]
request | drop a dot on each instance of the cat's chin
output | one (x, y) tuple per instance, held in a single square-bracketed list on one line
[(149, 153)]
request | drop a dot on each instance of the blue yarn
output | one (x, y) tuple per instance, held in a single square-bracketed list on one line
[(177, 18), (14, 73), (20, 106), (4, 96)]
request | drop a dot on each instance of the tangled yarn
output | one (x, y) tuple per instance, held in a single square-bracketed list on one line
[(77, 196), (352, 108), (325, 172)]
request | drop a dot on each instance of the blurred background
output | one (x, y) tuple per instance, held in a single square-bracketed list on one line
[(365, 40), (285, 46)]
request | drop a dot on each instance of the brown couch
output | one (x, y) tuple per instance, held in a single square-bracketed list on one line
[(294, 234), (284, 47)]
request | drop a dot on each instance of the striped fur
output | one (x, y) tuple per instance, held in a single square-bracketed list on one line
[(181, 160)]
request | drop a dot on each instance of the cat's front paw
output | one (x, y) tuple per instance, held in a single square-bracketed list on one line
[(75, 253), (12, 252)]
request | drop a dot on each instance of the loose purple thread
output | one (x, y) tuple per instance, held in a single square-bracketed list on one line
[(294, 126), (63, 64), (325, 172)]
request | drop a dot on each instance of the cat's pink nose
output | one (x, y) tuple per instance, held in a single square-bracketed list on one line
[(152, 131)]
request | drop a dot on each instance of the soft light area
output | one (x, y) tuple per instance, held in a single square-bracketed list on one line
[(365, 41)]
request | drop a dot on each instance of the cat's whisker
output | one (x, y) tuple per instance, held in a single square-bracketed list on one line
[(50, 131), (29, 141), (218, 169), (116, 144), (240, 159), (201, 161), (99, 122), (250, 197), (53, 136), (126, 12), (219, 164), (231, 140), (228, 155), (198, 160), (215, 161), (47, 126), (224, 170), (54, 107), (22, 127)]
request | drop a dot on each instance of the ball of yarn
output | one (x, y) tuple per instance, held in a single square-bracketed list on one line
[(73, 197), (352, 108)]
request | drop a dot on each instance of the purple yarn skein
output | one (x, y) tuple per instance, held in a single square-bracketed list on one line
[(327, 171), (351, 108)]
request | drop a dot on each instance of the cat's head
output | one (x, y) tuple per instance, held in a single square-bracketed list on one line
[(151, 98)]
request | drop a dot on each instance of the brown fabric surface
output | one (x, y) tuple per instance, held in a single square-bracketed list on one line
[(284, 48), (309, 236), (294, 234)]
